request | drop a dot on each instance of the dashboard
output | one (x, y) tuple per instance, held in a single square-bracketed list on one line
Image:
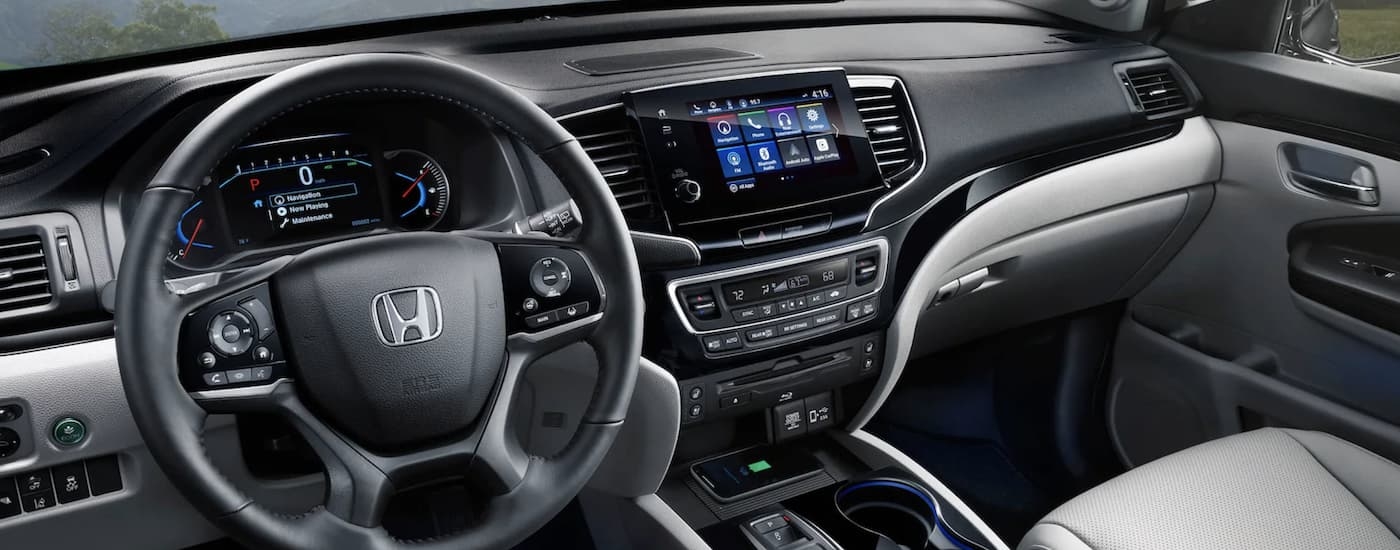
[(781, 205)]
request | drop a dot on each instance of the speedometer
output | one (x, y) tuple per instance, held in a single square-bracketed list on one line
[(418, 189)]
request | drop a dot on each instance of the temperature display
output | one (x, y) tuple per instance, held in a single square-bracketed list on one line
[(793, 280)]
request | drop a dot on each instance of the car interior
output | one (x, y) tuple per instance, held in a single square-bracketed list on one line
[(779, 275)]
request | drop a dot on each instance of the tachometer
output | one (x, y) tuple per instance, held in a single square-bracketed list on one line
[(195, 239), (418, 189)]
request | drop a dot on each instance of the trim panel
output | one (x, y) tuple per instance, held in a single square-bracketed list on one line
[(1191, 157)]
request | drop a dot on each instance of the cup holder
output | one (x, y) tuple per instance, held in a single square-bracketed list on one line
[(900, 511)]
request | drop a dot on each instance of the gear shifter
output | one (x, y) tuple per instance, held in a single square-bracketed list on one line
[(784, 530)]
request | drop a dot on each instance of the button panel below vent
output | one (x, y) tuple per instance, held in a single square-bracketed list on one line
[(24, 273), (889, 122)]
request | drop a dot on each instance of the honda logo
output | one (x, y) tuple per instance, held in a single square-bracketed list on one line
[(407, 315)]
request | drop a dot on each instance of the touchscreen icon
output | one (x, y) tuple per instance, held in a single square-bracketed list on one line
[(824, 148), (725, 130), (795, 152), (754, 125), (734, 161), (814, 118), (784, 120), (765, 157)]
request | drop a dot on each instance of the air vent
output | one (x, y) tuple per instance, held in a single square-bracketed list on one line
[(24, 276), (1155, 90), (885, 109), (612, 143)]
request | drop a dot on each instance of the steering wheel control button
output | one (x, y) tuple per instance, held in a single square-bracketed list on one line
[(261, 316), (550, 277), (696, 393), (69, 431), (231, 333), (9, 442), (261, 373), (70, 482), (239, 376), (540, 320), (261, 354), (208, 360), (215, 379), (569, 313), (696, 411), (531, 305)]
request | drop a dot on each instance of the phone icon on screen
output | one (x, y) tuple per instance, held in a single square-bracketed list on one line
[(753, 123)]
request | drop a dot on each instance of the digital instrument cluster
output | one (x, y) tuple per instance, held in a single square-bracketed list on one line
[(292, 191)]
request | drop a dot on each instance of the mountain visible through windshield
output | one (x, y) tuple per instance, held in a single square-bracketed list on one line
[(51, 32)]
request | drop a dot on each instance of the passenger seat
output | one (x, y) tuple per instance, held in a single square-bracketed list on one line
[(1271, 489)]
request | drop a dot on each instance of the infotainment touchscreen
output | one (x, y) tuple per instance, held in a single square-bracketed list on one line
[(727, 148)]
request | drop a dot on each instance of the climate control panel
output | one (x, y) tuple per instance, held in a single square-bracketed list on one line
[(753, 308)]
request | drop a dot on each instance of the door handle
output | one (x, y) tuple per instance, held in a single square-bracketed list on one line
[(1329, 174), (1355, 192)]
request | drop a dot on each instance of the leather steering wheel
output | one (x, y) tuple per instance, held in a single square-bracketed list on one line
[(381, 417)]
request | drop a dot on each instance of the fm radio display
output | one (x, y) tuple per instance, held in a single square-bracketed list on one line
[(782, 283)]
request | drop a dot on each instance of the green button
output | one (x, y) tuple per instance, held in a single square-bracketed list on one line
[(69, 432)]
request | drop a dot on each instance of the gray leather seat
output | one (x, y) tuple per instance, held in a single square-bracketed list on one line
[(1269, 489)]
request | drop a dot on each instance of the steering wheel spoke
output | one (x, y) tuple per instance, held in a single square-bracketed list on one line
[(231, 353), (553, 296)]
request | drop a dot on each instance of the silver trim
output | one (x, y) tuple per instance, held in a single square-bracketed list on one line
[(397, 326), (551, 332), (916, 136), (675, 284), (867, 446), (577, 114), (239, 393)]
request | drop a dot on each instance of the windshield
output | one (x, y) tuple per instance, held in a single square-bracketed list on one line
[(51, 32)]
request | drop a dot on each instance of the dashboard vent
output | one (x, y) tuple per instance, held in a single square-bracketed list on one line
[(24, 276), (612, 143), (1155, 90), (889, 122)]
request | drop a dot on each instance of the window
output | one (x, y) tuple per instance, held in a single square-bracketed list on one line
[(1362, 33)]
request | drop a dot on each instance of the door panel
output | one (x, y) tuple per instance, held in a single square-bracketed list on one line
[(1220, 341)]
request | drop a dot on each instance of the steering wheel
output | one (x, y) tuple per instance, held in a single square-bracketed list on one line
[(407, 407)]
